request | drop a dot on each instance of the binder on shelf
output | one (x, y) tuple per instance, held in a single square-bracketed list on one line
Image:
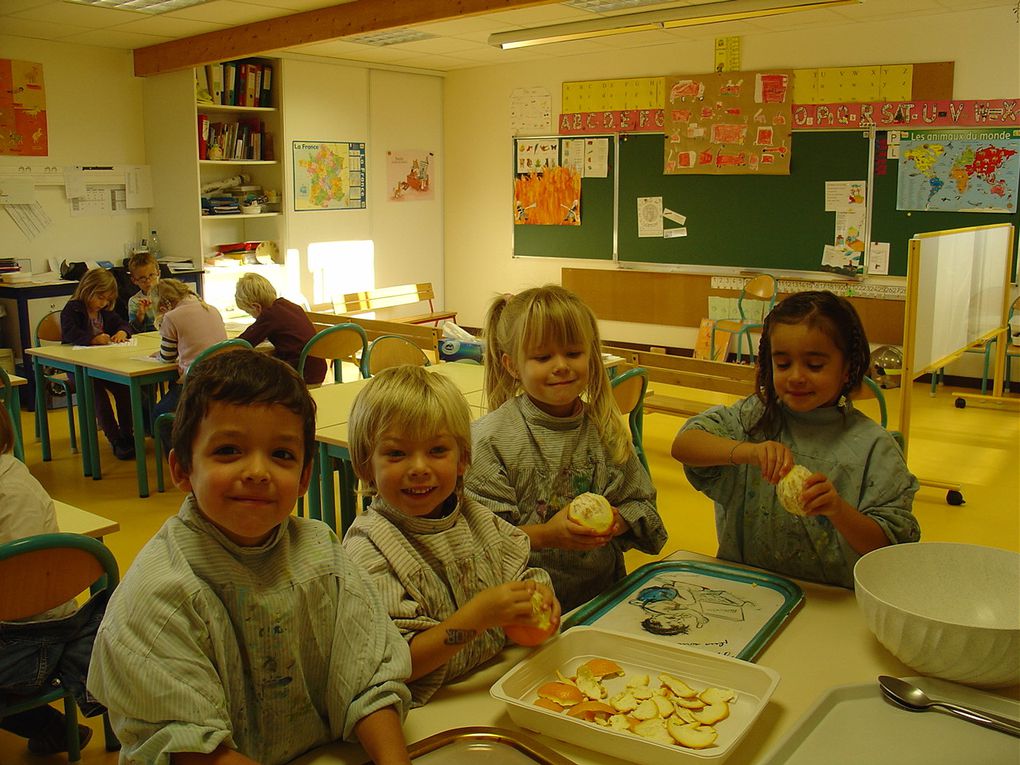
[(214, 75), (203, 136), (251, 77), (266, 99), (229, 83)]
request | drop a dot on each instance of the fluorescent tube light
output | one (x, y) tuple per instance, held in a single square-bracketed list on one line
[(690, 15)]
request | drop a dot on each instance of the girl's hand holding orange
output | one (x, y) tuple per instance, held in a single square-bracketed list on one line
[(542, 622)]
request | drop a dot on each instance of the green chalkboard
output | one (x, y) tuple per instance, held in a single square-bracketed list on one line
[(748, 221), (593, 239), (897, 227)]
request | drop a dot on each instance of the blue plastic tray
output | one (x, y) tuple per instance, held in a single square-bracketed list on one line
[(725, 609)]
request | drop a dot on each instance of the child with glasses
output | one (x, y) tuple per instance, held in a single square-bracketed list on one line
[(144, 271)]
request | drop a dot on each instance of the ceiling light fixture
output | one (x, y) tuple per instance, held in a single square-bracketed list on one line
[(690, 15), (153, 7)]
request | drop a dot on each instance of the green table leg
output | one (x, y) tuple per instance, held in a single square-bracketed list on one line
[(14, 410), (40, 410), (328, 499), (139, 431), (313, 502), (348, 496), (88, 419)]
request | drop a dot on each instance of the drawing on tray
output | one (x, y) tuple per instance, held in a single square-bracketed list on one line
[(675, 607)]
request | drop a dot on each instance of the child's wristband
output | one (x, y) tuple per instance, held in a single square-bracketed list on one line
[(730, 459)]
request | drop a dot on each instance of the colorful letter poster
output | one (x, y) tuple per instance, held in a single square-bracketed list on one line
[(22, 109), (959, 170), (728, 123), (409, 174), (329, 175)]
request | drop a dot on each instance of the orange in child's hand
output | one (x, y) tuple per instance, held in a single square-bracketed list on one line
[(536, 632)]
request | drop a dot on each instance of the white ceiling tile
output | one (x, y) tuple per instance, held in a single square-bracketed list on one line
[(38, 30), (228, 12), (111, 38), (297, 6), (167, 27), (89, 17)]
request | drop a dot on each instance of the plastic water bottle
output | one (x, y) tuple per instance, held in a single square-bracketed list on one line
[(153, 244)]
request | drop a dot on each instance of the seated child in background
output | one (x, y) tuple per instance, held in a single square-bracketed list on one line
[(283, 323), (451, 573), (144, 271), (242, 633), (88, 318), (55, 644), (187, 327), (813, 354), (542, 444)]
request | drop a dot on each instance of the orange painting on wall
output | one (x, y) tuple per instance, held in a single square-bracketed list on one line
[(549, 198), (22, 109)]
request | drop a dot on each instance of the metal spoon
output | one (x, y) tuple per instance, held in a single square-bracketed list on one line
[(909, 696)]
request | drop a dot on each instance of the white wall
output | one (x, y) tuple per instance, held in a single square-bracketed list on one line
[(983, 43), (93, 111)]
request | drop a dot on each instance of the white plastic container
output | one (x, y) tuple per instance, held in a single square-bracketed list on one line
[(753, 685)]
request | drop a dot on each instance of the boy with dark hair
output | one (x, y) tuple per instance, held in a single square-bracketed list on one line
[(241, 634)]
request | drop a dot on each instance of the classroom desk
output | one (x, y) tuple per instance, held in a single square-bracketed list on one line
[(334, 404), (114, 363), (74, 520), (14, 410), (826, 643)]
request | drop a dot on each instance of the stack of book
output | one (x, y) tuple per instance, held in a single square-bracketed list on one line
[(248, 82), (220, 205), (243, 139), (9, 265)]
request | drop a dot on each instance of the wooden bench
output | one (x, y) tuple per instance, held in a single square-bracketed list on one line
[(683, 371), (426, 338), (386, 298)]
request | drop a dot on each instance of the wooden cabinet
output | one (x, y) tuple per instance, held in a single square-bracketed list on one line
[(173, 119)]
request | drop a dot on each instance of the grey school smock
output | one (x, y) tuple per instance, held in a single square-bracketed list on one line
[(527, 465), (425, 569), (860, 458), (269, 650)]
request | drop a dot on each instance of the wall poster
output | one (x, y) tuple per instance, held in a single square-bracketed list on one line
[(409, 174), (728, 123), (23, 130), (329, 175)]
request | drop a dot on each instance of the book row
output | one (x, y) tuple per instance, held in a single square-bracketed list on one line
[(244, 139), (235, 83)]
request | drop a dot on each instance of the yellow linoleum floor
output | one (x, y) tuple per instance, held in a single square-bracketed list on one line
[(978, 447)]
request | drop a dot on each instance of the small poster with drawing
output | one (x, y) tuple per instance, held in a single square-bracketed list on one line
[(703, 342)]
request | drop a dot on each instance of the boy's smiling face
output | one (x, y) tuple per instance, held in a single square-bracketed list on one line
[(247, 469)]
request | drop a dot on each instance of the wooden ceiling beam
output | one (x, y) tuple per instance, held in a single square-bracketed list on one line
[(352, 18)]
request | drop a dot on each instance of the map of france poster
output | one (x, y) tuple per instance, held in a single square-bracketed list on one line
[(329, 175), (959, 171), (22, 109)]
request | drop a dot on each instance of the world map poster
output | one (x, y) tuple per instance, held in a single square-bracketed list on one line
[(329, 175), (959, 171), (22, 109)]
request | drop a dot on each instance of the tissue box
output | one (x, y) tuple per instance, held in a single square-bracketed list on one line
[(455, 350)]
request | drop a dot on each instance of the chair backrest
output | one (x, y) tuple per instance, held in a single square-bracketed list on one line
[(44, 571), (223, 345), (48, 329), (760, 296), (339, 343), (629, 390), (871, 389), (391, 351), (5, 386)]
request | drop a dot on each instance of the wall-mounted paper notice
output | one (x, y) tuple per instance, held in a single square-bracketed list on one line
[(843, 196), (17, 191), (673, 233), (138, 180), (649, 216), (74, 182), (878, 258)]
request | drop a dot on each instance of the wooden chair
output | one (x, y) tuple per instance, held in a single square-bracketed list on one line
[(166, 419), (629, 390), (391, 351), (337, 344), (43, 572), (754, 303), (48, 332)]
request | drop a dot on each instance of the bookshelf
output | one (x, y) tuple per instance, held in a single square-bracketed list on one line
[(174, 115)]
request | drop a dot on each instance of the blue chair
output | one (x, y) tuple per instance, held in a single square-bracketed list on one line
[(43, 572), (756, 299), (166, 419), (391, 351), (629, 390), (340, 343), (48, 332)]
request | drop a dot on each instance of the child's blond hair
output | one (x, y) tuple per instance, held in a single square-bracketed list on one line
[(409, 401), (96, 281), (550, 315), (140, 259), (254, 290), (172, 291)]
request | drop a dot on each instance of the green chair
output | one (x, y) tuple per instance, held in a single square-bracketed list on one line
[(48, 332), (166, 419), (7, 400), (340, 343), (756, 299), (391, 351), (43, 572), (629, 390), (875, 390)]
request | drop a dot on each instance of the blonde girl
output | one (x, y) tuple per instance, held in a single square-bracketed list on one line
[(88, 318), (187, 326), (554, 432)]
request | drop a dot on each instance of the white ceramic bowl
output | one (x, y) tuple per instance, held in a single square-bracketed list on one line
[(251, 209), (944, 609)]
